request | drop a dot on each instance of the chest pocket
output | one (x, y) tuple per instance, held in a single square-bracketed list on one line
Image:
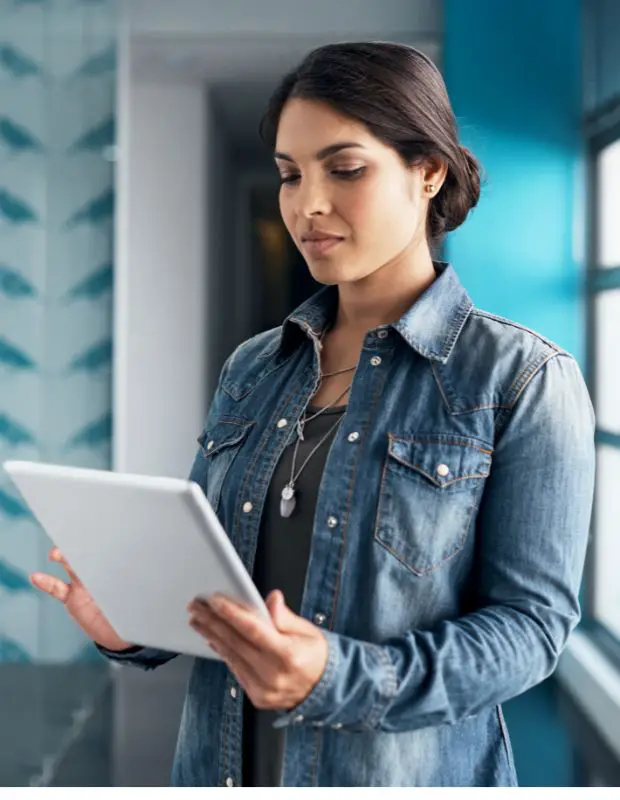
[(430, 488), (219, 444)]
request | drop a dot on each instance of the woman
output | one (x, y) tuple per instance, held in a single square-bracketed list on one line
[(409, 479)]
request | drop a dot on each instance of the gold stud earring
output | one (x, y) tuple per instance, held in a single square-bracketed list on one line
[(429, 187)]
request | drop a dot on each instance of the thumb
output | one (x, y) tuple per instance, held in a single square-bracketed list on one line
[(280, 613)]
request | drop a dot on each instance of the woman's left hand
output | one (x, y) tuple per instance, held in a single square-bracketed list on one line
[(277, 665)]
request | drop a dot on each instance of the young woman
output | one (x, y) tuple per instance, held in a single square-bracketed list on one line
[(408, 478)]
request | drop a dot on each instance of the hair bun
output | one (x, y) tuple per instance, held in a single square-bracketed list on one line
[(459, 193)]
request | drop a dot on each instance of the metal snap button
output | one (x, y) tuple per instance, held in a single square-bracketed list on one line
[(353, 437), (375, 361), (383, 334), (233, 693), (299, 718), (229, 782), (443, 470), (247, 507), (319, 618), (282, 423), (336, 726), (210, 444), (332, 522)]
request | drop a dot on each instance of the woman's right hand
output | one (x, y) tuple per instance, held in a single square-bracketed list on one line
[(79, 604)]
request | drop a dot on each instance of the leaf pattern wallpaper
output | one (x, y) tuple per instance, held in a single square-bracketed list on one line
[(57, 131)]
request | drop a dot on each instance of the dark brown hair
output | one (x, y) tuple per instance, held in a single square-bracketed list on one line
[(400, 96)]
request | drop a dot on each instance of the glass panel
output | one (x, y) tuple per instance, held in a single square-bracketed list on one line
[(607, 551), (607, 322), (57, 102), (608, 179)]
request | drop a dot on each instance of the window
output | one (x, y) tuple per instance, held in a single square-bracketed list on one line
[(608, 233), (603, 284)]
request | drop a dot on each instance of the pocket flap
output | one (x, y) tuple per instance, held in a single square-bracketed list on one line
[(442, 459), (222, 433)]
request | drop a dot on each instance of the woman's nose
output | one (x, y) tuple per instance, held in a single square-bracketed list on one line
[(312, 199)]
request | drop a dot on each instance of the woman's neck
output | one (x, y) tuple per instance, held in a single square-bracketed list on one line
[(382, 297)]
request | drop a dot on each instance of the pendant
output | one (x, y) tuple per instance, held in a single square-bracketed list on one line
[(287, 501)]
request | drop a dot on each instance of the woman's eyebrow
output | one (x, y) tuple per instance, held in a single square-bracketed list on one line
[(322, 154)]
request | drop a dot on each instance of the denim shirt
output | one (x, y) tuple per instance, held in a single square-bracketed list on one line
[(448, 543)]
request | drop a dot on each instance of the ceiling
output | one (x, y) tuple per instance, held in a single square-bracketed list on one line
[(239, 71)]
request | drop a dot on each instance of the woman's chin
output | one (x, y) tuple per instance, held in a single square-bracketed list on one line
[(329, 273)]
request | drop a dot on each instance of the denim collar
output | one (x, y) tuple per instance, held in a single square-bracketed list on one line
[(430, 326)]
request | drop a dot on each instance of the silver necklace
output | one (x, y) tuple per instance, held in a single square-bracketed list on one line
[(288, 498), (303, 420)]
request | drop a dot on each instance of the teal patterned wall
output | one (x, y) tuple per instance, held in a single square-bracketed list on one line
[(57, 87)]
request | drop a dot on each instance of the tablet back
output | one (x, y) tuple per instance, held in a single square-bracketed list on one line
[(143, 546)]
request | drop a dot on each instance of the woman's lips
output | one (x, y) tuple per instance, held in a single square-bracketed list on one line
[(320, 246)]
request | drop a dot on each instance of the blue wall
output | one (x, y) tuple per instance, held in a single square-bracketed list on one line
[(513, 71)]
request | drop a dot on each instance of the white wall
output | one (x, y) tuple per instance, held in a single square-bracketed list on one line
[(221, 177), (161, 357)]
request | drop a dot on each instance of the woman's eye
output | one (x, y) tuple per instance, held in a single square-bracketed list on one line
[(348, 174), (343, 174)]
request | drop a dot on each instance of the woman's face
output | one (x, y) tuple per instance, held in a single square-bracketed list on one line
[(364, 205)]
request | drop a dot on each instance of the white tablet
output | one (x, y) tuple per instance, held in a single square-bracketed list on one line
[(143, 546)]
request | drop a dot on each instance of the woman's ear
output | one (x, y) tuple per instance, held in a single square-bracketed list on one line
[(434, 173)]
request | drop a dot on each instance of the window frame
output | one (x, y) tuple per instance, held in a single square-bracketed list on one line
[(601, 130)]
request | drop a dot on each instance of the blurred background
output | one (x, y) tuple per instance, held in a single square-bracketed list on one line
[(140, 242)]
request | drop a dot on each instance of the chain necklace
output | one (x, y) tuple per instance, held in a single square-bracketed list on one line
[(303, 420), (288, 499), (322, 375)]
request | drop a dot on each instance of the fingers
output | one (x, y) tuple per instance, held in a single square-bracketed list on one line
[(236, 658), (217, 630), (51, 585), (57, 556), (251, 627)]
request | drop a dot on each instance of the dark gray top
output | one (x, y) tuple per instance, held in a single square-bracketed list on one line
[(281, 561)]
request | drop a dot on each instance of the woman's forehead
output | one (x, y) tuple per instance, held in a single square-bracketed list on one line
[(307, 127)]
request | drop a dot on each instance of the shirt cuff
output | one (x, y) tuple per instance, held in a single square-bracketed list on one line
[(146, 658), (135, 648), (354, 691)]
